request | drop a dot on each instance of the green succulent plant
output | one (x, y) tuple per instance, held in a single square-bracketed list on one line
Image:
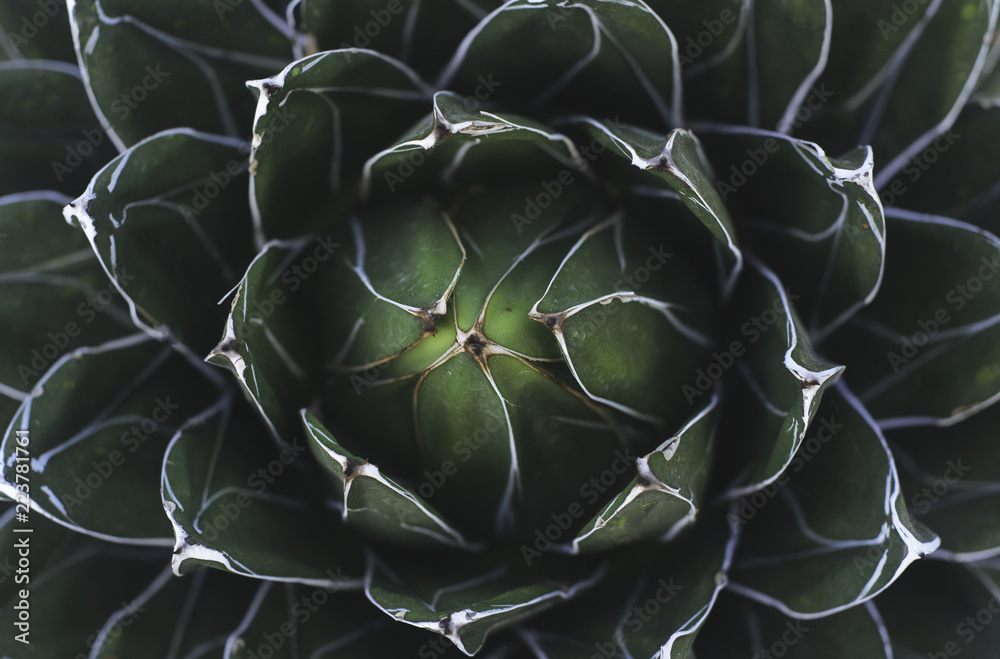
[(543, 328)]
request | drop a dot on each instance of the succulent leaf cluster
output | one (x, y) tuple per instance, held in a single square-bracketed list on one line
[(537, 328)]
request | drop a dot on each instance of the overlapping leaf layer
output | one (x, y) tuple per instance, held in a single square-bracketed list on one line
[(549, 328)]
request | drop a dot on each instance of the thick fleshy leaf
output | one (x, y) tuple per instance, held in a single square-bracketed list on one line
[(816, 219), (172, 211), (941, 609), (839, 512), (708, 31), (899, 76), (951, 477), (286, 621), (271, 338), (928, 326), (49, 137), (765, 74), (948, 57), (99, 422), (457, 144), (175, 617), (679, 169), (238, 503), (744, 628), (35, 29), (473, 597), (956, 175), (395, 281), (869, 43), (422, 34), (373, 502), (151, 67), (595, 301), (623, 48), (315, 125), (55, 296), (788, 43), (63, 567), (653, 602), (774, 381), (665, 496)]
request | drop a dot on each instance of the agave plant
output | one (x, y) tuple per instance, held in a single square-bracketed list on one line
[(542, 328)]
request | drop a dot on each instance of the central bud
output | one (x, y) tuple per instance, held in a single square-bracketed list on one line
[(502, 365)]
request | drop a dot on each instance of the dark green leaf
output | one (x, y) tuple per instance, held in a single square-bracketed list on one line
[(653, 602), (287, 621), (744, 628), (373, 502), (35, 29), (816, 219), (98, 424), (665, 496), (239, 503), (622, 48), (169, 221), (49, 137), (833, 531), (74, 584), (473, 597), (56, 296), (271, 338), (941, 609), (316, 123), (928, 326), (176, 617), (952, 480), (150, 67), (421, 33), (775, 382), (679, 168)]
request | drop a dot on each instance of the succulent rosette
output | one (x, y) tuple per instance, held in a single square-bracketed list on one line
[(544, 328)]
